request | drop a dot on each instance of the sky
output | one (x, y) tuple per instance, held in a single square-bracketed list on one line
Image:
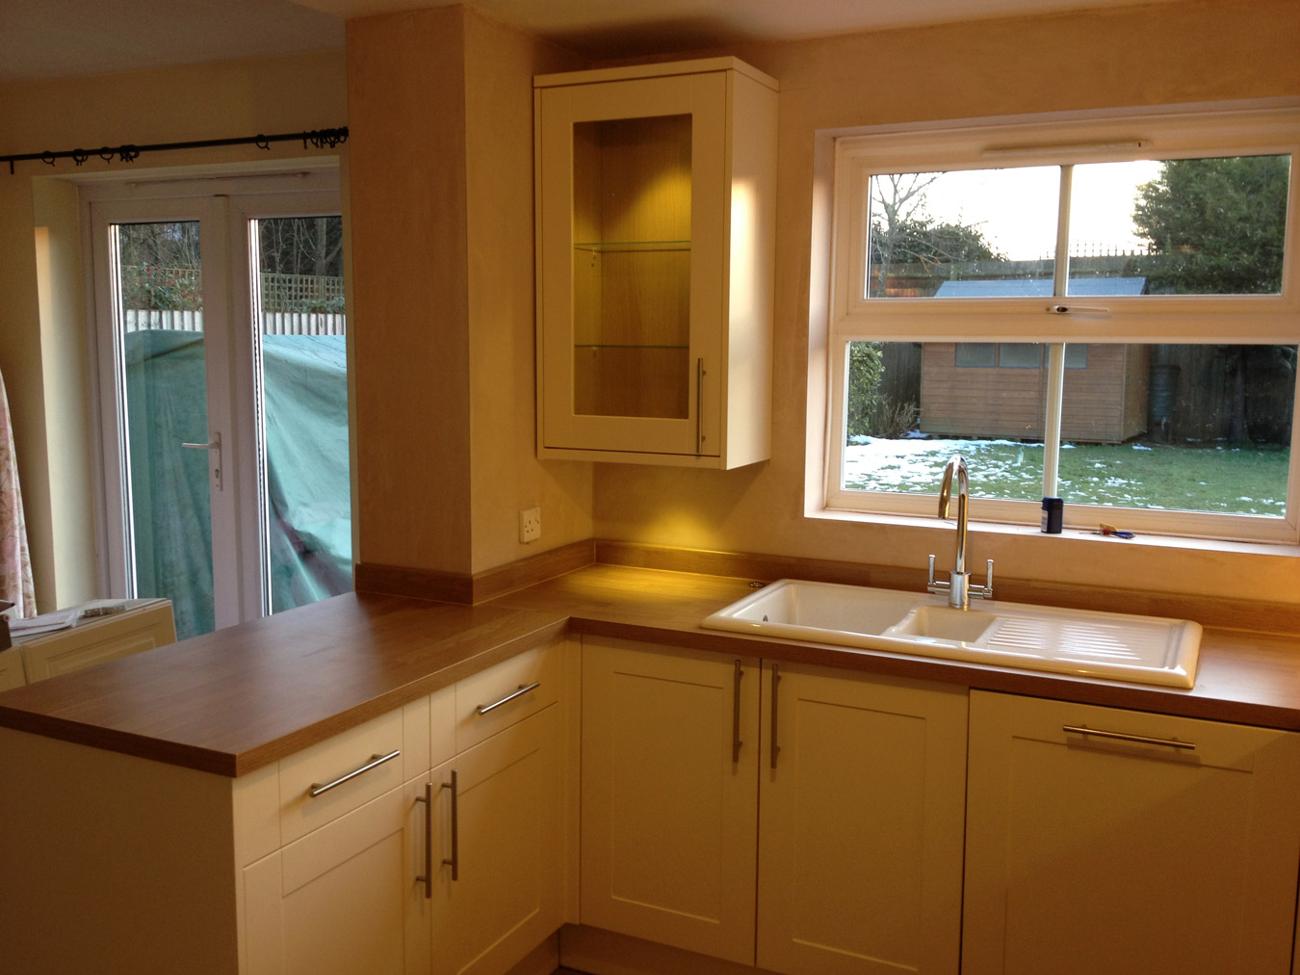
[(1015, 209)]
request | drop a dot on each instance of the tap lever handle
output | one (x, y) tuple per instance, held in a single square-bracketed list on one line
[(930, 580), (988, 579)]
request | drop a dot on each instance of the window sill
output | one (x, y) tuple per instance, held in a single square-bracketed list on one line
[(1150, 542)]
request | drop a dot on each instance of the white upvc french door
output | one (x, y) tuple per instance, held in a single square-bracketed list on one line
[(179, 348)]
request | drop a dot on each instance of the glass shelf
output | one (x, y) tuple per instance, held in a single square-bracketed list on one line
[(624, 345), (624, 246)]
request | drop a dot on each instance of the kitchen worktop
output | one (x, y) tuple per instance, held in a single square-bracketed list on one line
[(240, 698)]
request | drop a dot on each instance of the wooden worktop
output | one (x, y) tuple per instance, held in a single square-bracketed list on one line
[(234, 700), (240, 698), (1243, 676)]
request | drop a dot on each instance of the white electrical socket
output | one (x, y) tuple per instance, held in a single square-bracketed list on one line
[(530, 525)]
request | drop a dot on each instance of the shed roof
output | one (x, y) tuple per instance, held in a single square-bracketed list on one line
[(1039, 287)]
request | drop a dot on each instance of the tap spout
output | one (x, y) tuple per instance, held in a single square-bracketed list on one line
[(956, 469)]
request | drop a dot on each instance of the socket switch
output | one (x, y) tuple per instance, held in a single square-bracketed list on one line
[(530, 525)]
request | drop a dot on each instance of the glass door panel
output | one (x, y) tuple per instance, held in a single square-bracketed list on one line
[(161, 358), (305, 481), (632, 267)]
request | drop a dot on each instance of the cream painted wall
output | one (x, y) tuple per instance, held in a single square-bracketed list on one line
[(192, 102), (440, 105), (505, 473), (1152, 55), (406, 113), (65, 360)]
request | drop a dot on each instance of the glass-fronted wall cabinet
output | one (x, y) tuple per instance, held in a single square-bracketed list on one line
[(655, 226)]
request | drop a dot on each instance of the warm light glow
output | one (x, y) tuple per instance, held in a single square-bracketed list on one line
[(743, 237)]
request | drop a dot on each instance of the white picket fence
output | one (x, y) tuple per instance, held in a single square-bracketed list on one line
[(273, 323)]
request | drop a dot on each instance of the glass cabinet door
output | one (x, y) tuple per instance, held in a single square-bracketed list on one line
[(632, 216), (632, 267)]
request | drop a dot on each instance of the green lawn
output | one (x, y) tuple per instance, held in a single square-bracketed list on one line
[(1238, 480)]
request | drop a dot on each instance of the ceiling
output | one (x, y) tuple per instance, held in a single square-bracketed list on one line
[(42, 39), (61, 38)]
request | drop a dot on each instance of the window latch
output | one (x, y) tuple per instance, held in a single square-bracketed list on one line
[(1078, 310)]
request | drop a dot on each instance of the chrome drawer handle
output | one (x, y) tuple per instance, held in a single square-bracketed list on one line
[(1071, 729), (520, 692), (375, 761)]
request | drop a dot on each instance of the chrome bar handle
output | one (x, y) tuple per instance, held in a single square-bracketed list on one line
[(317, 789), (427, 877), (737, 673), (776, 681), (453, 861), (520, 691), (699, 406), (1082, 729)]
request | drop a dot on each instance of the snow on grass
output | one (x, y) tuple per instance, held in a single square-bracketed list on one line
[(1240, 480)]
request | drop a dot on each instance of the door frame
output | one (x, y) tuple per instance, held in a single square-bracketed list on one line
[(223, 203)]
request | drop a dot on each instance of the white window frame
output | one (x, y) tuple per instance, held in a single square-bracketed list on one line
[(1244, 319), (226, 204)]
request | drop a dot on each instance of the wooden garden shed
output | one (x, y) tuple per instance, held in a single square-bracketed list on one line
[(998, 389)]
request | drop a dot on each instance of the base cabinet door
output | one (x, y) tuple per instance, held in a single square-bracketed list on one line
[(861, 812), (498, 848), (345, 898), (669, 786), (1102, 840)]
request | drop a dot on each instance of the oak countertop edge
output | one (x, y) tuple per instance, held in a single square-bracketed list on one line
[(1245, 677)]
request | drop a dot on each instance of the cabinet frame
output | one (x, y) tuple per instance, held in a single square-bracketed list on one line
[(733, 108)]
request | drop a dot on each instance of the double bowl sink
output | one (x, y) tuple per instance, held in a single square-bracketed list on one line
[(1114, 646)]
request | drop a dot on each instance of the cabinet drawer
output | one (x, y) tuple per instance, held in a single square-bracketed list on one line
[(505, 693), (332, 760)]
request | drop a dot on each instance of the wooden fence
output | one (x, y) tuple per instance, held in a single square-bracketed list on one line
[(273, 322)]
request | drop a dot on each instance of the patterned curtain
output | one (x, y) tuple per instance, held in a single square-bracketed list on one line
[(15, 562)]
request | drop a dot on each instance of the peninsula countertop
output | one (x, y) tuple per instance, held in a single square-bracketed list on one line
[(232, 701)]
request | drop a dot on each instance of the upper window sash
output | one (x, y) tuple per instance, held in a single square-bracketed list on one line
[(1260, 318)]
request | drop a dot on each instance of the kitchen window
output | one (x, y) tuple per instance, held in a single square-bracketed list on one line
[(1107, 311)]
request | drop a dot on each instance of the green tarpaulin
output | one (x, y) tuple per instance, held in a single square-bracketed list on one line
[(308, 491)]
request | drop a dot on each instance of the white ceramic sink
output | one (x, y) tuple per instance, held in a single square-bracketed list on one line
[(1116, 646)]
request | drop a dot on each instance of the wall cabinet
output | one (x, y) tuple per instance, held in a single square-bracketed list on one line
[(1101, 840), (861, 811), (655, 192)]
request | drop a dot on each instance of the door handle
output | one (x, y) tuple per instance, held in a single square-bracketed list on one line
[(213, 444), (737, 673), (453, 861)]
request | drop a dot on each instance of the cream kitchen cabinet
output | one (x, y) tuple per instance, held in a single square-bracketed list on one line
[(861, 810), (1101, 840), (655, 198), (498, 848), (347, 897), (143, 625), (329, 860), (847, 805), (669, 787)]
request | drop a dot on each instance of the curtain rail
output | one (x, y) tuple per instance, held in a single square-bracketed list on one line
[(129, 152)]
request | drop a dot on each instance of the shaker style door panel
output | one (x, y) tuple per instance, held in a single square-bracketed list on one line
[(861, 809), (1163, 845), (669, 792)]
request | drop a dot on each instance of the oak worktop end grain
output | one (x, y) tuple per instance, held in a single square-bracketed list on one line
[(243, 697)]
